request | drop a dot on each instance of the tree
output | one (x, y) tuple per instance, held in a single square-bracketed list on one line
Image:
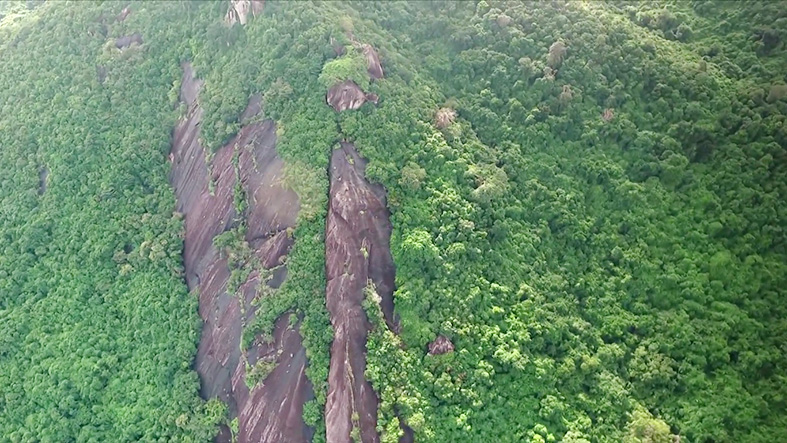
[(644, 428)]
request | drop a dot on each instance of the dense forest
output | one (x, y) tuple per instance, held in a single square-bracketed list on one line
[(587, 204)]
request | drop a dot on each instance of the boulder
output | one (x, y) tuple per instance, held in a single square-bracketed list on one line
[(239, 10), (441, 345), (373, 62), (253, 109), (123, 14), (128, 40), (347, 95)]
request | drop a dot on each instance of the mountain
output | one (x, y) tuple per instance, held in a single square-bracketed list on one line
[(444, 221)]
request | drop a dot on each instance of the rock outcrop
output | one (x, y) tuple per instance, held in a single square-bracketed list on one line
[(348, 95), (43, 173), (126, 41), (441, 345), (270, 412), (357, 252), (375, 69), (253, 109), (123, 14), (101, 73), (239, 10)]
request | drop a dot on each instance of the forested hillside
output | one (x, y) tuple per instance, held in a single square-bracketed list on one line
[(586, 211)]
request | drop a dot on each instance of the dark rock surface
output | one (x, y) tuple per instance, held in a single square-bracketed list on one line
[(441, 345), (375, 69), (357, 251), (271, 412), (43, 173), (347, 95), (126, 41), (253, 109)]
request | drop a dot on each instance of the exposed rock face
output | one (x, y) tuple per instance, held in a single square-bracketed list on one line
[(444, 117), (43, 173), (273, 412), (348, 95), (408, 435), (126, 41), (252, 109), (338, 48), (270, 412), (373, 61), (101, 73), (239, 10), (357, 241), (123, 14), (441, 345)]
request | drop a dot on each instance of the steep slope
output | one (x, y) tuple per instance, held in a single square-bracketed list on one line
[(582, 203), (207, 195), (97, 331), (568, 231), (358, 260)]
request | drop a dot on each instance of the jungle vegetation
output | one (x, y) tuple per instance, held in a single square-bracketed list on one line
[(588, 200)]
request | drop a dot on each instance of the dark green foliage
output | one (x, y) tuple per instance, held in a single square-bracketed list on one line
[(620, 263), (97, 332)]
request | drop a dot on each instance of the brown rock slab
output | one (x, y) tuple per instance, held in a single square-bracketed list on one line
[(253, 109), (357, 248), (270, 412), (375, 69), (345, 95), (276, 406), (441, 345)]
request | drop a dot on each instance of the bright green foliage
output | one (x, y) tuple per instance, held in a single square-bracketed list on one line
[(622, 259), (643, 428), (350, 66), (97, 332)]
